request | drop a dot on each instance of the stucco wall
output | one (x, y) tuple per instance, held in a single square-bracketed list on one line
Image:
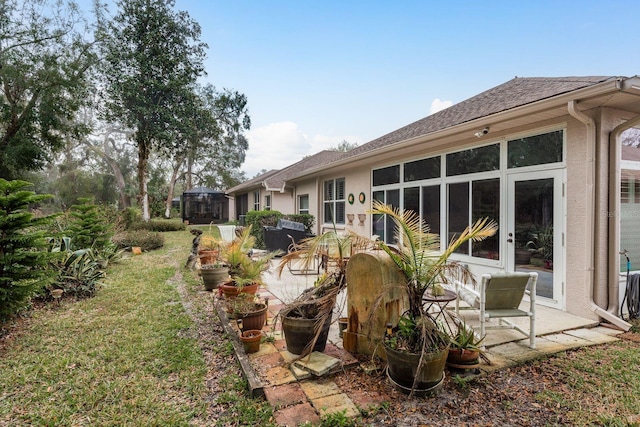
[(357, 180), (283, 202), (576, 213)]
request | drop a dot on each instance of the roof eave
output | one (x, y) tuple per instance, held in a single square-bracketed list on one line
[(543, 104)]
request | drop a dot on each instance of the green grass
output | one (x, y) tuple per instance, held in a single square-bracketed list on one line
[(601, 385), (121, 358), (127, 357)]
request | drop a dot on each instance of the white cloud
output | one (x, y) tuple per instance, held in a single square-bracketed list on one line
[(439, 105), (278, 145)]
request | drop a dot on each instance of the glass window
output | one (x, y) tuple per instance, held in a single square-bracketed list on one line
[(334, 201), (481, 159), (431, 207), (388, 175), (256, 200), (303, 204), (412, 199), (422, 169), (384, 227), (458, 213), (485, 203), (535, 150), (267, 202), (393, 200)]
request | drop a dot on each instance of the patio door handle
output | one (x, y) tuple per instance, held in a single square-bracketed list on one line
[(510, 239)]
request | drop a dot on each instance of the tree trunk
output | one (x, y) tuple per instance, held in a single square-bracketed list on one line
[(172, 186), (143, 195), (189, 171)]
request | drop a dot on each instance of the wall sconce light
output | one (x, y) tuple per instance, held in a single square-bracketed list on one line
[(482, 132)]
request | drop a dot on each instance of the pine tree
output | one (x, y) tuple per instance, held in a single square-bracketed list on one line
[(23, 255)]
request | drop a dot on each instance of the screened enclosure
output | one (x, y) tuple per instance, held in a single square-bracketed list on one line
[(203, 205)]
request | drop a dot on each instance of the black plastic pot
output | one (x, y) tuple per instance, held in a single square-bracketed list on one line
[(403, 368), (298, 333)]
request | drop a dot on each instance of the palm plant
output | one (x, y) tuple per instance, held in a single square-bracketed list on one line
[(244, 269), (419, 257)]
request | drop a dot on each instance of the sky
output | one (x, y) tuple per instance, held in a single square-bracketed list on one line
[(317, 73)]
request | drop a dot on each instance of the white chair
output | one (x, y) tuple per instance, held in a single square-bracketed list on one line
[(499, 297)]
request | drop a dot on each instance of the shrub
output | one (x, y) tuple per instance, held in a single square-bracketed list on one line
[(257, 220), (131, 216), (160, 225), (79, 273), (163, 225), (87, 227), (24, 260), (307, 219), (145, 239)]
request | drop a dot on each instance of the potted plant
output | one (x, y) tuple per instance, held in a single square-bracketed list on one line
[(209, 246), (466, 347), (251, 340), (245, 271), (417, 347), (306, 320), (248, 311), (214, 274)]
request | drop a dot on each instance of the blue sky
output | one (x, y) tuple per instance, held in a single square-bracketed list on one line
[(316, 73)]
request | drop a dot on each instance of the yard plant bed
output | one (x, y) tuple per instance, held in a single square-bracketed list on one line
[(149, 347)]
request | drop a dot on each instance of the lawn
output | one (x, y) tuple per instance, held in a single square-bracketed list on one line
[(148, 350)]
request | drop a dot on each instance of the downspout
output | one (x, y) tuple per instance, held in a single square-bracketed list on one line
[(615, 156), (590, 224)]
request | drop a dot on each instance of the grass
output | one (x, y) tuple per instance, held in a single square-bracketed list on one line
[(121, 358), (129, 357), (602, 385)]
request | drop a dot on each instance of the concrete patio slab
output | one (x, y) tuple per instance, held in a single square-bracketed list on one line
[(320, 388), (317, 363), (591, 335), (297, 415), (334, 404)]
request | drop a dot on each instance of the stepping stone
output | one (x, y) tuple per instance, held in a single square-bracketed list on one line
[(317, 363)]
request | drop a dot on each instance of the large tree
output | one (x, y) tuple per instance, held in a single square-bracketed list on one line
[(45, 59), (214, 146), (152, 59)]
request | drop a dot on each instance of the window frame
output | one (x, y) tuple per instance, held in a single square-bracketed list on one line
[(332, 202)]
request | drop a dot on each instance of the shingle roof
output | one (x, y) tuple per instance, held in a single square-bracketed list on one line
[(514, 93), (253, 182), (278, 180), (517, 92)]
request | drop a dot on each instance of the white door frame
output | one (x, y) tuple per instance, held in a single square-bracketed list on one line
[(559, 227)]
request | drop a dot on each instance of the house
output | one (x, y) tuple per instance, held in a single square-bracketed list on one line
[(271, 190), (541, 156)]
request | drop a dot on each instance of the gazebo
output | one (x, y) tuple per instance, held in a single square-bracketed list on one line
[(202, 205)]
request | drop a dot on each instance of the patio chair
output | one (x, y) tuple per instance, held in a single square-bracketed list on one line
[(499, 298), (306, 265)]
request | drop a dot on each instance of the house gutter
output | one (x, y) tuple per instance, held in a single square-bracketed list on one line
[(615, 155), (591, 215)]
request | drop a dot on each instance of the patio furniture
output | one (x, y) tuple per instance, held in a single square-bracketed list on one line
[(279, 237), (499, 298), (307, 264)]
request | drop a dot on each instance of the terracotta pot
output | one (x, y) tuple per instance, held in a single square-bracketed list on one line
[(251, 340), (207, 256), (212, 277), (254, 320), (230, 290), (461, 356)]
